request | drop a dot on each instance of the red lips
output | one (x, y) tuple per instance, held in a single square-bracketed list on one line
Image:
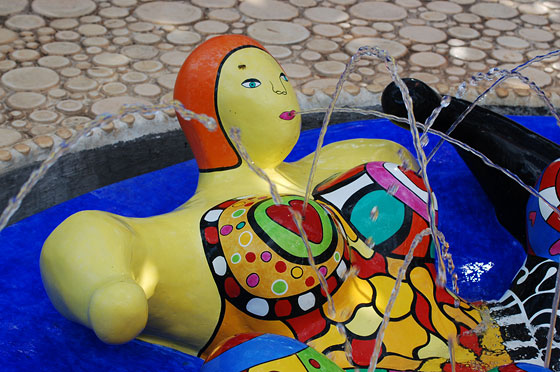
[(288, 115)]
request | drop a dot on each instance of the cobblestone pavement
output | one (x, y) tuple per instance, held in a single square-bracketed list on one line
[(62, 62)]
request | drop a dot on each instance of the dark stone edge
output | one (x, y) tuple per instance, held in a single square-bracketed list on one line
[(81, 172)]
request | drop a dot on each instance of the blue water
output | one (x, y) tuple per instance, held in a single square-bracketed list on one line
[(33, 336)]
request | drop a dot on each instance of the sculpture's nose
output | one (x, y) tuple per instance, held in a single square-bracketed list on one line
[(281, 91)]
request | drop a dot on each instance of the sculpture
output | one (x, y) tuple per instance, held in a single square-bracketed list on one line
[(231, 261)]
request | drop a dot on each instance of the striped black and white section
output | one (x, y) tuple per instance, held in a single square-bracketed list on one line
[(523, 313)]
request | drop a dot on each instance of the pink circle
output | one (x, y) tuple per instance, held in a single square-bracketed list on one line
[(266, 256), (253, 280), (225, 230), (323, 270)]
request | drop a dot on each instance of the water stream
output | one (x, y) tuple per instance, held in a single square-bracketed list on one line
[(444, 258)]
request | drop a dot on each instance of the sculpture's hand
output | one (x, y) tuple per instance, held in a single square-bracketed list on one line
[(87, 269)]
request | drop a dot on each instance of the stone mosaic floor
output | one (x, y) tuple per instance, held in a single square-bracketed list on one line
[(62, 62)]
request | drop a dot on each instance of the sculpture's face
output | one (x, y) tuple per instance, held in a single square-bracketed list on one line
[(254, 95)]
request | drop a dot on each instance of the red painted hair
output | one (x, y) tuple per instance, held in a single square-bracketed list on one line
[(195, 88)]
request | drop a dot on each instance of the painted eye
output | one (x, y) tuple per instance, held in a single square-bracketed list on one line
[(251, 83), (283, 76)]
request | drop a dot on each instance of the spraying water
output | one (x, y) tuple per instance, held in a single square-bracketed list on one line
[(444, 257)]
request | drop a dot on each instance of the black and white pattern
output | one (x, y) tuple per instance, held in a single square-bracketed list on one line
[(523, 313)]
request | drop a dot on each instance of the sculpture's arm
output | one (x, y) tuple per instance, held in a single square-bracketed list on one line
[(334, 159), (87, 270)]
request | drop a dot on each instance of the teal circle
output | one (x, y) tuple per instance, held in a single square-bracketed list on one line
[(240, 225), (389, 220)]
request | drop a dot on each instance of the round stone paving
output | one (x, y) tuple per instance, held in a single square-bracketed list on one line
[(140, 51), (444, 7), (214, 3), (12, 7), (501, 25), (277, 32), (110, 59), (9, 137), (378, 11), (80, 84), (7, 36), (183, 37), (211, 27), (167, 80), (88, 51), (506, 55), (43, 116), (268, 10), (395, 49), (25, 22), (423, 34), (296, 70), (330, 68), (168, 13), (467, 53), (535, 34), (63, 8), (26, 100), (113, 105), (492, 10), (325, 15), (427, 59), (463, 33), (30, 78), (542, 79), (174, 58), (512, 42), (60, 48)]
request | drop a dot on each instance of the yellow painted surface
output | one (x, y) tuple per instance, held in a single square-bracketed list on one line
[(352, 293), (436, 347), (383, 288), (403, 336), (365, 322)]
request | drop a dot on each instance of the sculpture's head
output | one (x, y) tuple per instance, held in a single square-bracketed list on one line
[(234, 80)]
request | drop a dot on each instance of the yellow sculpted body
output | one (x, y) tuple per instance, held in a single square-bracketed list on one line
[(172, 279)]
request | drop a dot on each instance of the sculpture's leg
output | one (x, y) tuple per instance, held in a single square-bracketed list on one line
[(86, 266), (504, 141)]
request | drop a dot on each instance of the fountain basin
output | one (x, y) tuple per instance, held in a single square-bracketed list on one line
[(34, 335)]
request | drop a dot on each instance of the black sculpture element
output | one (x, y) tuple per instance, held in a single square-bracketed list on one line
[(505, 142)]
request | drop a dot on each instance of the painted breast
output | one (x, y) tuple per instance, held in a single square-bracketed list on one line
[(261, 264)]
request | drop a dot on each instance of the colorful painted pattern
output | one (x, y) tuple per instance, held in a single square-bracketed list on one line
[(259, 261), (520, 367), (543, 224), (265, 353), (252, 245), (523, 313)]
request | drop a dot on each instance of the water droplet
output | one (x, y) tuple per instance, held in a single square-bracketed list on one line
[(374, 213), (405, 163), (340, 328), (424, 140), (461, 90), (445, 101), (456, 302), (370, 243), (392, 190)]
